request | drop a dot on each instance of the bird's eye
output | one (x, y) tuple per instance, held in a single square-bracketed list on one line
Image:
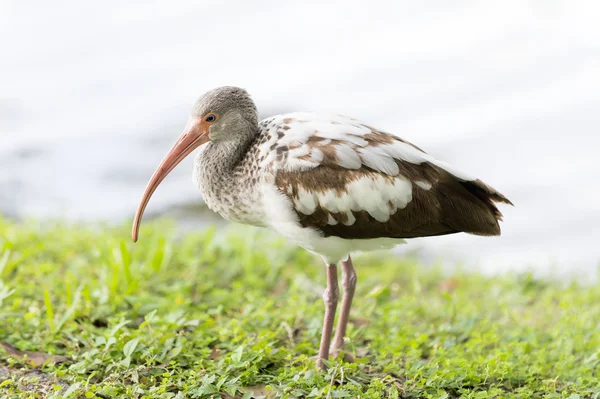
[(211, 118)]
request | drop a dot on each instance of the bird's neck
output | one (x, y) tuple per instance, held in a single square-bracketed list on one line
[(217, 171), (219, 160)]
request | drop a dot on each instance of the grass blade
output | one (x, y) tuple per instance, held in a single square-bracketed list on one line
[(49, 310)]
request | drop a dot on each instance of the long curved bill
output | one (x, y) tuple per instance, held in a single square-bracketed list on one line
[(194, 135)]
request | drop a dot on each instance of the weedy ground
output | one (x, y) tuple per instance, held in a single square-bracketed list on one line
[(84, 313)]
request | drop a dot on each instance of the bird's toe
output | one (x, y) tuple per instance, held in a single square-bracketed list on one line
[(334, 353)]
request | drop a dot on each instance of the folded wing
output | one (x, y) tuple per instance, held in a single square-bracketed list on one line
[(349, 180)]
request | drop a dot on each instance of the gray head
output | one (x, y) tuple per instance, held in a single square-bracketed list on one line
[(229, 110), (225, 117)]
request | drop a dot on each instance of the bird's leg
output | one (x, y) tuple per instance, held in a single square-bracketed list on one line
[(349, 284), (330, 297)]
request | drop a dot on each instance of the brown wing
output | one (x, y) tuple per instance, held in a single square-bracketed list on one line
[(448, 206), (350, 180)]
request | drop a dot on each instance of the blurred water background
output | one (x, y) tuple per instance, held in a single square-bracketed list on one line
[(93, 94)]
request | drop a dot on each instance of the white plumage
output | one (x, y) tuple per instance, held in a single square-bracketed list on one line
[(380, 198)]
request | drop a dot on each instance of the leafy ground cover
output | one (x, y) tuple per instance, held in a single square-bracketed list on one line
[(84, 313)]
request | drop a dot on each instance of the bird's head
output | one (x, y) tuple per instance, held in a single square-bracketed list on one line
[(218, 117)]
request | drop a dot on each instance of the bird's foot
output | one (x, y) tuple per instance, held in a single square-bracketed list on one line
[(336, 352)]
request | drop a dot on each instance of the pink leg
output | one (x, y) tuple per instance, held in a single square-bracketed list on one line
[(330, 297), (349, 284)]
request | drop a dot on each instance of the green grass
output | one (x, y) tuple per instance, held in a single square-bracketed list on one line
[(225, 313)]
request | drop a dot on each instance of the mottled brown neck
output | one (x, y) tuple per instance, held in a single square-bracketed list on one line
[(225, 178)]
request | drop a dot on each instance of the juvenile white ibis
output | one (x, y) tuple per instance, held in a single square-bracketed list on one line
[(329, 183)]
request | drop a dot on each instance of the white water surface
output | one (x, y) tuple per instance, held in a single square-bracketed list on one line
[(93, 94)]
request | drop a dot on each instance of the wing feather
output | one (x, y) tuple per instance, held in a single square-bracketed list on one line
[(350, 180)]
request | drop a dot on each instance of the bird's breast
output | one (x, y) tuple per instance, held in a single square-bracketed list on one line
[(233, 195), (236, 207)]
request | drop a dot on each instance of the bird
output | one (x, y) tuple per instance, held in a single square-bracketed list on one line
[(329, 183)]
